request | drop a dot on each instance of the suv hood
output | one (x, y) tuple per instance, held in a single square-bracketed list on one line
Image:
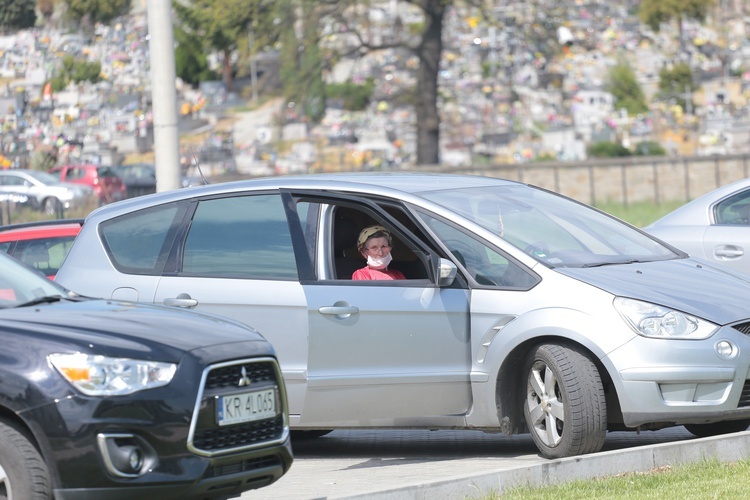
[(128, 329), (688, 285)]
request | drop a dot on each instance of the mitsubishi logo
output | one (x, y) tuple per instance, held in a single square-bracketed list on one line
[(244, 379)]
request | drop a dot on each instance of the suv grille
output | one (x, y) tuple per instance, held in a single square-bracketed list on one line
[(235, 436), (228, 375), (207, 437)]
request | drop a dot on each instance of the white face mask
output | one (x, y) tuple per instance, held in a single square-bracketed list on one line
[(380, 263)]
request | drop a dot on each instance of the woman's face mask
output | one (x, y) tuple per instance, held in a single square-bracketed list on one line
[(379, 263)]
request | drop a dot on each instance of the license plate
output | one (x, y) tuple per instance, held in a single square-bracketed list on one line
[(246, 407)]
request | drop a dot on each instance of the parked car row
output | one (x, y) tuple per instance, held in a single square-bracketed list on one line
[(520, 311), (71, 187)]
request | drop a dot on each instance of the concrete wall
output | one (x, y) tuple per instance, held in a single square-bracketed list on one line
[(622, 180)]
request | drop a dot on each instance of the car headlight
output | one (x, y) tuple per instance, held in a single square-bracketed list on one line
[(651, 320), (105, 376)]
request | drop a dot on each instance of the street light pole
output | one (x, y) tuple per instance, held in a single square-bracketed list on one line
[(163, 95)]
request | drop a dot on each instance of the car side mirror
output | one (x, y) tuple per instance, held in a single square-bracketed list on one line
[(445, 272)]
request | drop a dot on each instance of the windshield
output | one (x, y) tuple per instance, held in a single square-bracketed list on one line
[(21, 285), (552, 228)]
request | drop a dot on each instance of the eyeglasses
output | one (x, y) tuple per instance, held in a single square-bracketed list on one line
[(375, 248)]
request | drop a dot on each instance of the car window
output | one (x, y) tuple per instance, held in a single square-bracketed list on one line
[(106, 172), (484, 264), (136, 242), (46, 254), (75, 173), (347, 222), (242, 236), (734, 210), (550, 228), (12, 180)]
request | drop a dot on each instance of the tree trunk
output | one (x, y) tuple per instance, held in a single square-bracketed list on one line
[(226, 70), (429, 52)]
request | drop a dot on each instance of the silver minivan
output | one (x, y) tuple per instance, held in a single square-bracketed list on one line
[(521, 311)]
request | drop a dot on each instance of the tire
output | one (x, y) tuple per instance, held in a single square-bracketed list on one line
[(50, 206), (300, 435), (717, 428), (23, 473), (564, 406)]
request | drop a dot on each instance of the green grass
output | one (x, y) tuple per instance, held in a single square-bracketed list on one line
[(701, 480), (639, 214)]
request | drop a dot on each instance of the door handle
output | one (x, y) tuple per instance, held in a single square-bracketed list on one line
[(729, 252), (342, 312), (182, 300)]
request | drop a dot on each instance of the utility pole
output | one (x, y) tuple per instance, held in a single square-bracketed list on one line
[(164, 95)]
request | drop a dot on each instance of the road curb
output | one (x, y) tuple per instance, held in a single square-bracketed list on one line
[(727, 448)]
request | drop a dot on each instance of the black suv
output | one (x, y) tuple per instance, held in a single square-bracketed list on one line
[(103, 399)]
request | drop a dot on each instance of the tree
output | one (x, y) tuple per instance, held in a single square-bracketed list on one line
[(301, 57), (656, 12), (90, 12), (220, 24), (17, 14), (676, 83), (46, 8), (77, 71), (623, 85), (350, 20), (191, 62)]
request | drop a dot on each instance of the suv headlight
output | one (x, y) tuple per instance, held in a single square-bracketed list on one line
[(105, 376), (651, 320)]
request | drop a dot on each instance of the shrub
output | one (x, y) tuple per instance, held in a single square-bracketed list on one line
[(605, 149), (355, 97)]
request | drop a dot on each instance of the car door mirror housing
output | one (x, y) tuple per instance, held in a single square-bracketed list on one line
[(446, 272)]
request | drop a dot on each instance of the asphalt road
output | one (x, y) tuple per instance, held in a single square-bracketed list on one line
[(394, 465)]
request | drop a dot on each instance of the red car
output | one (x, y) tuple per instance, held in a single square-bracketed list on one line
[(107, 184), (42, 245)]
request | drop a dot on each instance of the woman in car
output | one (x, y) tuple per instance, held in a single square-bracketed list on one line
[(374, 244)]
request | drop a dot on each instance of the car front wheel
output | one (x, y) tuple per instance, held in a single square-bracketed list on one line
[(23, 473), (564, 407), (50, 206)]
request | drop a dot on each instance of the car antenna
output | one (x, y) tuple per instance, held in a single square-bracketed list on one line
[(198, 165)]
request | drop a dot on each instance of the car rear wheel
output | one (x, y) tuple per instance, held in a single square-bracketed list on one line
[(23, 473), (717, 428), (564, 407)]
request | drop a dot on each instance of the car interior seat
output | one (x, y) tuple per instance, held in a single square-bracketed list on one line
[(37, 255), (346, 258)]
